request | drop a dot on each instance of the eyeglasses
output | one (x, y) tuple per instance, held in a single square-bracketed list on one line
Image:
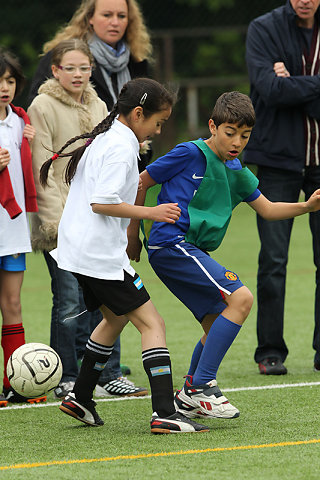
[(72, 69)]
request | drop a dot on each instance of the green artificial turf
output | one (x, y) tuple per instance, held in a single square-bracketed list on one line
[(276, 418)]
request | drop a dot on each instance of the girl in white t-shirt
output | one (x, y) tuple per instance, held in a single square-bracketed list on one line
[(17, 197), (92, 241)]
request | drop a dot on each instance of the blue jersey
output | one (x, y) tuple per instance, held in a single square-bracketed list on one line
[(180, 172)]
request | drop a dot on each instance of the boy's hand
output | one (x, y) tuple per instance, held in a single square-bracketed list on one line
[(4, 158), (29, 132), (280, 70), (313, 204), (166, 212)]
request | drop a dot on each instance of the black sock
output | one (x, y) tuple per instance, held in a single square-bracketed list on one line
[(94, 361), (157, 365)]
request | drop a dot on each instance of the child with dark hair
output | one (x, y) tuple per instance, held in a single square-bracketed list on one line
[(17, 197), (207, 181), (92, 240)]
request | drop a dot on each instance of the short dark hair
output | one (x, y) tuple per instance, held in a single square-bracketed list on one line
[(234, 107), (10, 62)]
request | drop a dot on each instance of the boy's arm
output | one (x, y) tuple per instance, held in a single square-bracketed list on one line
[(134, 242), (282, 210)]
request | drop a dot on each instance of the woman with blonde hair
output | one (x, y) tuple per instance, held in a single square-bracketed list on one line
[(117, 38)]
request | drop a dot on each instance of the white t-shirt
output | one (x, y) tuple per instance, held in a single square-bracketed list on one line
[(94, 244), (14, 233)]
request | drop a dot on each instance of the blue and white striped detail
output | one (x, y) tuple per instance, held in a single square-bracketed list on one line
[(99, 366), (138, 283), (163, 370)]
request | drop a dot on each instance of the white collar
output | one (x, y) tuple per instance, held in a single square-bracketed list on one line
[(9, 118)]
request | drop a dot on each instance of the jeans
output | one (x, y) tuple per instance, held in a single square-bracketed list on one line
[(70, 328), (282, 186)]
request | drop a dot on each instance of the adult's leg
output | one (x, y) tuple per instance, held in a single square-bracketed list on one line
[(311, 183), (64, 317), (278, 186)]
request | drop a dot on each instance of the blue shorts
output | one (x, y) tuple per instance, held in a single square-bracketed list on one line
[(194, 277), (13, 263)]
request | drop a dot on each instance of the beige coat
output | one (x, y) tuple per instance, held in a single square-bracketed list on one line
[(57, 118)]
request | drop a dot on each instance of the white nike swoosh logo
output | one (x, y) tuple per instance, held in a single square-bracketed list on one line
[(195, 177)]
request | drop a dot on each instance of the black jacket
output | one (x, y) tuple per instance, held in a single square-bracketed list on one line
[(136, 69), (278, 138)]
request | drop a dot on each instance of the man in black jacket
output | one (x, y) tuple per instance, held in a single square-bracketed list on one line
[(283, 58)]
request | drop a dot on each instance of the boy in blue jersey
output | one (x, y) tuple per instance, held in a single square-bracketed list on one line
[(207, 181)]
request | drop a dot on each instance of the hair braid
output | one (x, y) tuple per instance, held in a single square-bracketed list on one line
[(76, 154)]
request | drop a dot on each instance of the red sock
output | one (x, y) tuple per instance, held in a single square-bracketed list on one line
[(12, 338)]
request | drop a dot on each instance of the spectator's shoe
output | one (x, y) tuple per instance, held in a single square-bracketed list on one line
[(62, 390), (13, 397), (3, 400), (125, 369), (272, 366), (316, 367), (84, 412), (122, 387), (203, 401), (175, 423)]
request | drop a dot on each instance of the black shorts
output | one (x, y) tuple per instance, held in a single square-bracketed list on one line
[(120, 296)]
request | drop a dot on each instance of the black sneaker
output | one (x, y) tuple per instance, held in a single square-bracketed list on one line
[(13, 397), (316, 367), (85, 412), (175, 423), (121, 387), (272, 366)]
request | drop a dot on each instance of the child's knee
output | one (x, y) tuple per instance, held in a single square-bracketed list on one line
[(241, 300), (246, 302)]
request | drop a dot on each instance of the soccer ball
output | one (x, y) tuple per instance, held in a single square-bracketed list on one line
[(34, 369)]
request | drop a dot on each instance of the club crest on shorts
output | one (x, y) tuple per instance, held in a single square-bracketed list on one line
[(231, 276)]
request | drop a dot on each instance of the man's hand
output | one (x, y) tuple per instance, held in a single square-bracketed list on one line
[(280, 70)]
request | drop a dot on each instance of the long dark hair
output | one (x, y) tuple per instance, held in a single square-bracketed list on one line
[(149, 94)]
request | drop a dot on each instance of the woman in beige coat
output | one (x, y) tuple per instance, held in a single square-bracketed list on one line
[(67, 106)]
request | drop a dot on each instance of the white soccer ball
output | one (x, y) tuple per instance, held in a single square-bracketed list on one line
[(34, 369)]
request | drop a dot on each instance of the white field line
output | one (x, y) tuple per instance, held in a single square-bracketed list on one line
[(119, 399)]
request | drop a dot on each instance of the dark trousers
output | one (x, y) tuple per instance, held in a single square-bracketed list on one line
[(282, 186)]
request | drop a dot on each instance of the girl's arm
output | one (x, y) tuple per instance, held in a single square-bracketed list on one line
[(29, 132), (281, 210), (4, 158), (167, 212), (134, 243)]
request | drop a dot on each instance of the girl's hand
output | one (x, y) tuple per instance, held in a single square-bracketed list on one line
[(313, 204), (140, 184), (134, 248), (280, 70), (29, 132), (166, 212), (4, 158)]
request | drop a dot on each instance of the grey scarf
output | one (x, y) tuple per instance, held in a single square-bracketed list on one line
[(110, 63)]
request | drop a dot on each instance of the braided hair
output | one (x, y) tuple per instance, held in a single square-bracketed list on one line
[(145, 92)]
